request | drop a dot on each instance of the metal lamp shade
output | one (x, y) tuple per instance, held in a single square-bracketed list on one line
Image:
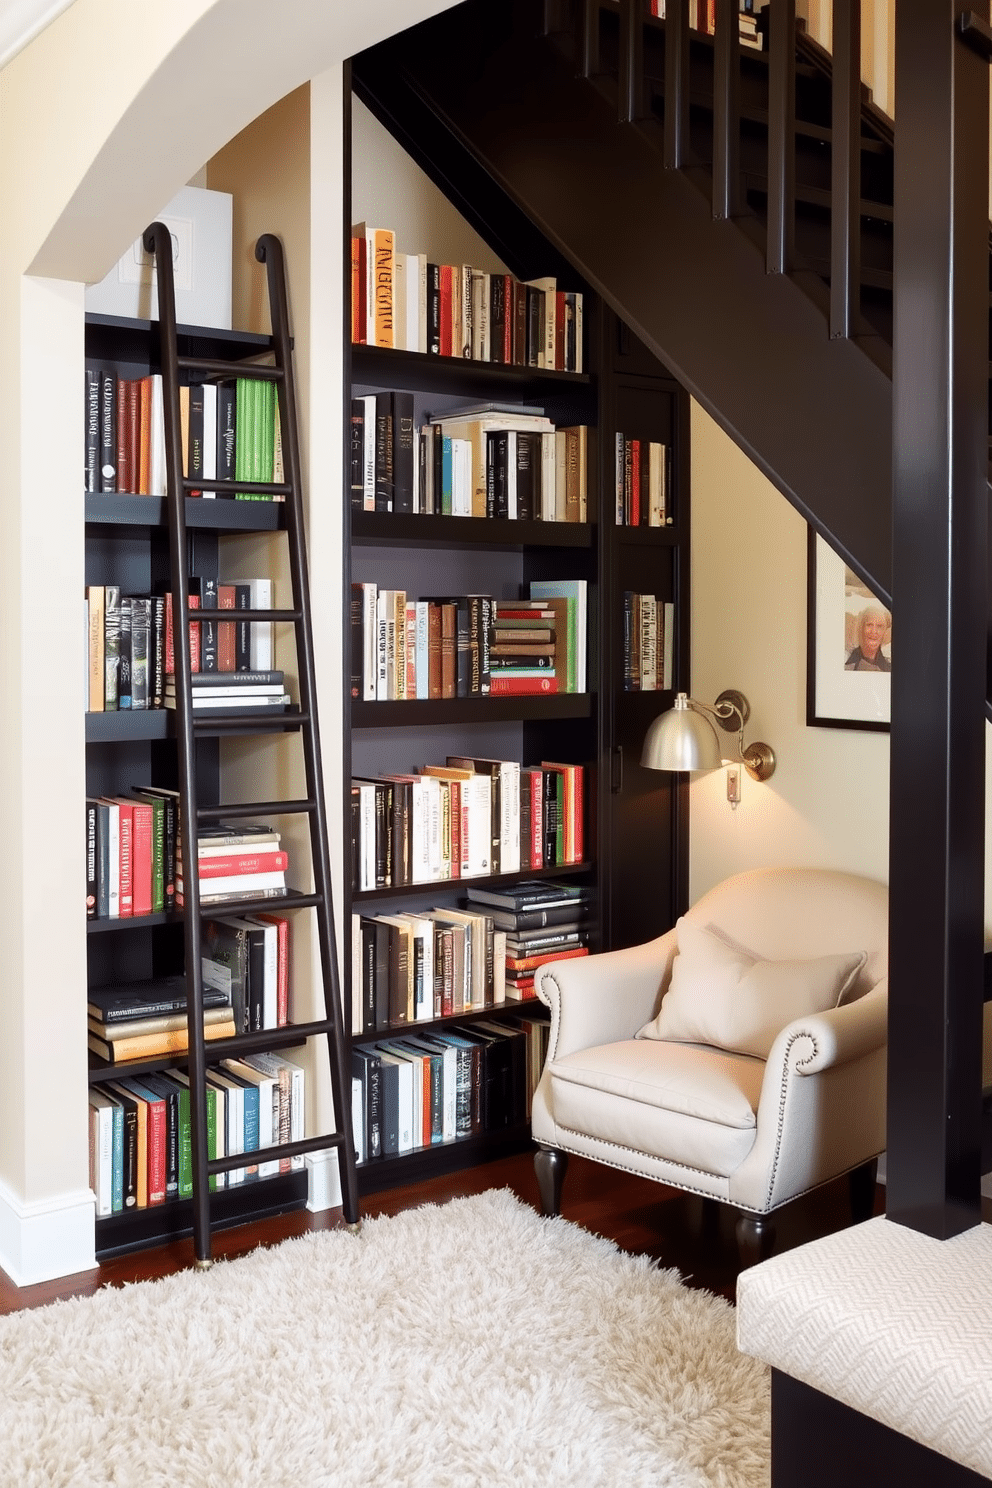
[(681, 739)]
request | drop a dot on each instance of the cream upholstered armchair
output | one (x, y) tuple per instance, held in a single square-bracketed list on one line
[(740, 1056)]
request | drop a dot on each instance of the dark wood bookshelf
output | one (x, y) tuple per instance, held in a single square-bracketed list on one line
[(494, 880), (257, 1199), (419, 370), (414, 712), (390, 1170), (650, 537), (288, 1036), (217, 514), (401, 529), (130, 725), (280, 904)]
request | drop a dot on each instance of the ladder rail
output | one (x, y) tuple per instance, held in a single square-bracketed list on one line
[(158, 240), (189, 727), (269, 251)]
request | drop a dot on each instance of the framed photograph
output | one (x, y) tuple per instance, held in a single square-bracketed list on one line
[(849, 646)]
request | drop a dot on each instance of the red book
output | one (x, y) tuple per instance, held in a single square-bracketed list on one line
[(194, 636), (223, 867), (508, 318), (141, 857), (531, 963), (155, 1141), (170, 647), (282, 977), (226, 630), (121, 435), (635, 483), (358, 287), (445, 309), (126, 861), (521, 686)]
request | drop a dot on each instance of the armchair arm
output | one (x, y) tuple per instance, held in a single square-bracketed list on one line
[(836, 1036), (601, 999), (822, 1104)]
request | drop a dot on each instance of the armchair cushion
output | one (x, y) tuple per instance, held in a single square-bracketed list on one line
[(723, 995)]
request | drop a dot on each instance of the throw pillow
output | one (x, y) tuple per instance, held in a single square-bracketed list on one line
[(722, 994)]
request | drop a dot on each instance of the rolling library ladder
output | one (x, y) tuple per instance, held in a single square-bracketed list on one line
[(268, 250)]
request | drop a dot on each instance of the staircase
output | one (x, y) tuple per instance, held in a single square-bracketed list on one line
[(689, 181)]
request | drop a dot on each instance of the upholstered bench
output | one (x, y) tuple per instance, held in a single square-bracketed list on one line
[(891, 1323)]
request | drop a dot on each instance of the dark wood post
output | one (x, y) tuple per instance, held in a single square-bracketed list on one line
[(940, 583), (632, 91)]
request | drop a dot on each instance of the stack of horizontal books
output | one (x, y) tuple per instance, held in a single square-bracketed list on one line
[(233, 692), (235, 861), (147, 1020), (543, 921)]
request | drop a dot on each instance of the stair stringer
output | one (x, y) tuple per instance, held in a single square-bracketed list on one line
[(814, 414)]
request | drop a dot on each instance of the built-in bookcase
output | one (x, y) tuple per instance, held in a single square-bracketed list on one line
[(127, 544), (635, 848)]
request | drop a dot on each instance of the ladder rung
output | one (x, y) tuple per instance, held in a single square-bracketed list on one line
[(237, 616), (226, 487), (215, 368), (268, 1154), (245, 809)]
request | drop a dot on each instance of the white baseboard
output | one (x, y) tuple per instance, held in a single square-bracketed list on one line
[(48, 1238), (324, 1190)]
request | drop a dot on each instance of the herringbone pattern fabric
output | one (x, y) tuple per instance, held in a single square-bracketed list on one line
[(889, 1321)]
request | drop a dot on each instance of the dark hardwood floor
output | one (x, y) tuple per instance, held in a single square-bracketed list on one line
[(642, 1217)]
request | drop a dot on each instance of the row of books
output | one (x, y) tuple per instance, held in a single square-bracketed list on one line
[(130, 655), (134, 857), (542, 920), (643, 480), (229, 431), (410, 968), (420, 1090), (648, 642), (139, 1129), (468, 645), (478, 460), (702, 17), (402, 300), (467, 818)]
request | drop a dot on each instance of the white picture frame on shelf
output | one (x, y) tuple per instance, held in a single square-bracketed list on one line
[(846, 687), (200, 223)]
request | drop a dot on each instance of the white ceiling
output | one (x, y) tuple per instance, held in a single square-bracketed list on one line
[(21, 20)]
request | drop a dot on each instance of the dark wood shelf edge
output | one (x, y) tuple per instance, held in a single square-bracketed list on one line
[(494, 880), (292, 899), (415, 712), (386, 529), (219, 514), (161, 1224), (444, 1157), (388, 364), (471, 1015)]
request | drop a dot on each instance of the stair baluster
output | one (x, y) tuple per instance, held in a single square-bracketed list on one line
[(631, 100), (845, 170), (726, 111), (780, 252), (676, 83)]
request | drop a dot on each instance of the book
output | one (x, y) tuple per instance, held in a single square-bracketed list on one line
[(153, 1045), (121, 1001)]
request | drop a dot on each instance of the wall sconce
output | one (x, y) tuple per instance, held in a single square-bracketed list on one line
[(685, 739)]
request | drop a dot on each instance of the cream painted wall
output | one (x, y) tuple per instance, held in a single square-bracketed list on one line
[(65, 169), (827, 803)]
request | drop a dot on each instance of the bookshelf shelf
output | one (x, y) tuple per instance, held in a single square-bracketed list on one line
[(648, 537), (385, 529), (221, 514), (418, 711), (380, 1173), (130, 726), (406, 891), (416, 370), (279, 904), (160, 1224)]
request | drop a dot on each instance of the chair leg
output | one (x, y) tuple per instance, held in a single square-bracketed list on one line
[(861, 1184), (755, 1237), (550, 1166)]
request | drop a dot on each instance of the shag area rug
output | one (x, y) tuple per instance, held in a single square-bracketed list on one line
[(463, 1344)]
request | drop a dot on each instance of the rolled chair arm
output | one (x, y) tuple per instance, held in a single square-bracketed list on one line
[(814, 1043), (602, 999)]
